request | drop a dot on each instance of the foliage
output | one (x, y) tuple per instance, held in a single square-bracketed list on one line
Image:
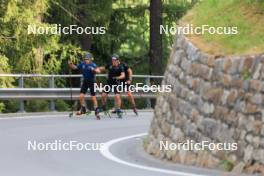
[(24, 51), (227, 165), (247, 16), (2, 107), (127, 34), (37, 106), (5, 68)]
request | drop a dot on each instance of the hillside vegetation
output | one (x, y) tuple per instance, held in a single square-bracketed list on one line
[(247, 15)]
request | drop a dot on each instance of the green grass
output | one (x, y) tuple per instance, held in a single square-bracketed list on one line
[(247, 15)]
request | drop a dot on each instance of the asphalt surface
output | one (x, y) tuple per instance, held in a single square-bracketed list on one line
[(17, 160)]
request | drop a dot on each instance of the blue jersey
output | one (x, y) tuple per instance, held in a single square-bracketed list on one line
[(86, 70)]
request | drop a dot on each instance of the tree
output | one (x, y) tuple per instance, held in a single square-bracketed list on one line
[(155, 51)]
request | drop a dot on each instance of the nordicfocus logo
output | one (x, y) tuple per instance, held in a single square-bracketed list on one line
[(59, 145), (138, 87), (190, 29), (57, 29), (191, 145)]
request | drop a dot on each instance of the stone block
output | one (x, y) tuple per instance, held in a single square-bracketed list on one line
[(246, 64), (208, 108), (248, 153), (256, 99), (178, 56), (213, 95), (251, 108), (255, 85), (232, 97)]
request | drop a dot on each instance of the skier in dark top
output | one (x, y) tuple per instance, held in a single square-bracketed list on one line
[(88, 69), (116, 74), (127, 82)]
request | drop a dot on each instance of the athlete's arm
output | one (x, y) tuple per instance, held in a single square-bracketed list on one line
[(130, 74), (101, 69), (122, 76), (97, 70), (72, 66)]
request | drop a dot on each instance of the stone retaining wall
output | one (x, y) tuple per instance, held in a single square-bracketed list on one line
[(216, 99)]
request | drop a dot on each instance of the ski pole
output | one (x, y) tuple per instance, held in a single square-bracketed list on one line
[(71, 114)]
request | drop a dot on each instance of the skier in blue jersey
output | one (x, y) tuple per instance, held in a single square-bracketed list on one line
[(88, 69)]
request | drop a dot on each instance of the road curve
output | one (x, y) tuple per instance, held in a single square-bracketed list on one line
[(17, 160)]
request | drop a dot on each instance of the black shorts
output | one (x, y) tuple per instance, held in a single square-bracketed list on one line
[(88, 84), (111, 86)]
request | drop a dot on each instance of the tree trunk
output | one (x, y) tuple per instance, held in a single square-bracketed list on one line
[(155, 52), (86, 42)]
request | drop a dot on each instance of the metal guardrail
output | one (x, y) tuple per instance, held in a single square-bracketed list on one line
[(52, 93)]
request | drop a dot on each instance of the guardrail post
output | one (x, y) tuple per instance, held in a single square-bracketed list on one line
[(148, 101), (52, 85), (22, 102)]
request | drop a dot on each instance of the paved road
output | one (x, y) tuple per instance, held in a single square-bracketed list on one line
[(16, 160)]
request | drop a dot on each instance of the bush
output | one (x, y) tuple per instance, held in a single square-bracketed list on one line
[(62, 106), (2, 107), (37, 106), (11, 106)]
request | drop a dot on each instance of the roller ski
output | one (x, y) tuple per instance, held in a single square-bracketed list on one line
[(118, 112), (105, 111), (85, 113)]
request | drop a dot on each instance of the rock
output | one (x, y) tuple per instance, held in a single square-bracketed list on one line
[(255, 85), (176, 134), (209, 127), (256, 99), (232, 97), (185, 64), (238, 169), (246, 64), (249, 138), (250, 108), (258, 155), (208, 108), (213, 95), (226, 80), (178, 56), (256, 74), (248, 153), (256, 141)]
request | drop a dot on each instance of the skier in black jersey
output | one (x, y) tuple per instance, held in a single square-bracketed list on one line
[(116, 74)]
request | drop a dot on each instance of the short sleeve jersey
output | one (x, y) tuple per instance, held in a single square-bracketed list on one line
[(114, 71), (86, 70)]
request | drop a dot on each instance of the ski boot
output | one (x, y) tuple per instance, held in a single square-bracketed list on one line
[(135, 111), (81, 111), (96, 112), (119, 113)]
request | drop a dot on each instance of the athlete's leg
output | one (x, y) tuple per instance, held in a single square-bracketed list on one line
[(131, 99), (92, 93), (94, 101), (82, 99), (118, 101), (104, 98)]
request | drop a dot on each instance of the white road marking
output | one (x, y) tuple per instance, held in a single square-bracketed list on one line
[(105, 151)]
